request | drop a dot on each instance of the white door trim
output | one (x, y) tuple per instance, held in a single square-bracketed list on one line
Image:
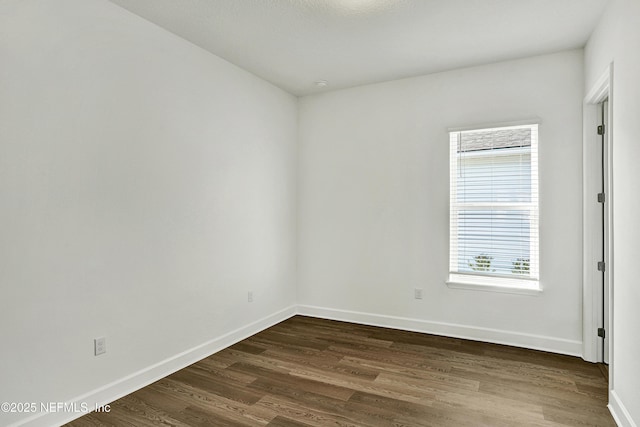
[(592, 246)]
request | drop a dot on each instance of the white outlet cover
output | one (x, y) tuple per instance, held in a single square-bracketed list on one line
[(100, 346)]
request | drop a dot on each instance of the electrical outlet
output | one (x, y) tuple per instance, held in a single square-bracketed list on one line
[(100, 346), (250, 296), (417, 293)]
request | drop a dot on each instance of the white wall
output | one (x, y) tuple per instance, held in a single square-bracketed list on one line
[(146, 186), (617, 40), (374, 201)]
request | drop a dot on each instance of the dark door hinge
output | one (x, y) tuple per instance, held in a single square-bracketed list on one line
[(601, 266), (601, 130), (601, 197), (601, 332)]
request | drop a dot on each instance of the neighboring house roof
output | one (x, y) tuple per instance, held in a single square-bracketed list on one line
[(494, 139)]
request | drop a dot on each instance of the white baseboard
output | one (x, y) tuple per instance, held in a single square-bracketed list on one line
[(117, 389), (497, 336), (621, 416)]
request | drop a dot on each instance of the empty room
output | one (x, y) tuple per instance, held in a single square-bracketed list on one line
[(319, 212)]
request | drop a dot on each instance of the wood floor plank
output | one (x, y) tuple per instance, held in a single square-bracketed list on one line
[(295, 382), (431, 376), (281, 421), (214, 385), (307, 372), (312, 416), (320, 404), (196, 397)]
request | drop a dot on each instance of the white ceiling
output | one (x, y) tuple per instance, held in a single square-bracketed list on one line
[(294, 43)]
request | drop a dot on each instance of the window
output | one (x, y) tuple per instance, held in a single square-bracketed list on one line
[(494, 207)]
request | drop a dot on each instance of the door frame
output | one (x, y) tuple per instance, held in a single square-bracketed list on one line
[(592, 294)]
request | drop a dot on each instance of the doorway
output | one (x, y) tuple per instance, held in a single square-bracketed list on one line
[(603, 132), (598, 232)]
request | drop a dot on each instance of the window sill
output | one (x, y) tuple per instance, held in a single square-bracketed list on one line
[(494, 284)]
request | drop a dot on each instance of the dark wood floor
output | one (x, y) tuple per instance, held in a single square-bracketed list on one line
[(311, 372)]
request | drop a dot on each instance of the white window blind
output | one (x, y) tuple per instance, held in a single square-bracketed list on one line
[(494, 204)]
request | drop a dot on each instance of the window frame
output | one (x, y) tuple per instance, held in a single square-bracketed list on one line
[(495, 282)]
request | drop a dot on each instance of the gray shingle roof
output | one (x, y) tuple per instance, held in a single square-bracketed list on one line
[(494, 139)]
